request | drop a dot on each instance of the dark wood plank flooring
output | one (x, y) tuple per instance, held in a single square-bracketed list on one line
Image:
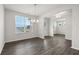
[(56, 45)]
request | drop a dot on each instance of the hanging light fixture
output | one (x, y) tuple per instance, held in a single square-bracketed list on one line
[(35, 17)]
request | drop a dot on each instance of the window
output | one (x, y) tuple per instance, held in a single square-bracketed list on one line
[(23, 23)]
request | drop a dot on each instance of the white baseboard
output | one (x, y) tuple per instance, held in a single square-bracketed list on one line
[(68, 39), (2, 47), (75, 48)]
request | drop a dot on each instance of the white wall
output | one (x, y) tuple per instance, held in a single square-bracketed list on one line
[(1, 28), (11, 34), (51, 14), (51, 28), (67, 27), (46, 26), (45, 31), (75, 27), (41, 27)]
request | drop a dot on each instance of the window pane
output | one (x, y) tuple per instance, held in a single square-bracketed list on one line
[(19, 23), (27, 23)]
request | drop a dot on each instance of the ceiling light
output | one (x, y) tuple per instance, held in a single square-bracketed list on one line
[(35, 18), (59, 15)]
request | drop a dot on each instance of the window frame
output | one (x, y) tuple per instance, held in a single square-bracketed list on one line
[(24, 24)]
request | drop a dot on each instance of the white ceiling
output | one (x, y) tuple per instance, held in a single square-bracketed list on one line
[(30, 8)]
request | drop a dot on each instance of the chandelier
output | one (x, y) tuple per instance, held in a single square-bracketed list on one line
[(35, 18)]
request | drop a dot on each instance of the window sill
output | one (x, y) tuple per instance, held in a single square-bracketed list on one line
[(22, 32)]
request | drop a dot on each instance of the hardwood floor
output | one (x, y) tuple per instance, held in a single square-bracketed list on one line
[(56, 45)]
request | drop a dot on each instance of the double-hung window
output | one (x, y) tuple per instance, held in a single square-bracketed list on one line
[(23, 24)]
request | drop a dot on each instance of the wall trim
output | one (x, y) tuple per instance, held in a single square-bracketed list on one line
[(74, 48), (58, 34), (68, 39), (24, 39), (2, 48)]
